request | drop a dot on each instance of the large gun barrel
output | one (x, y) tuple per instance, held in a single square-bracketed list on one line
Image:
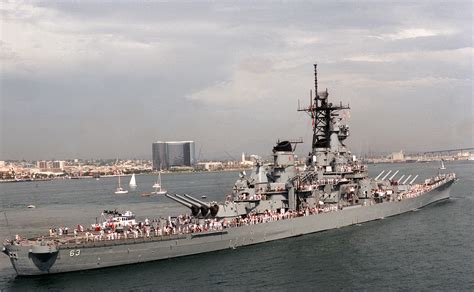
[(406, 180), (377, 177), (387, 174), (400, 179), (179, 201), (204, 206), (197, 208), (187, 201), (393, 175), (194, 209), (196, 200), (413, 180)]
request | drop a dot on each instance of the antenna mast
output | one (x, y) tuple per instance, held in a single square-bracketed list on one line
[(321, 113)]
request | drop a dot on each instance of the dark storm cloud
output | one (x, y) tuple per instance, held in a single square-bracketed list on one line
[(88, 79)]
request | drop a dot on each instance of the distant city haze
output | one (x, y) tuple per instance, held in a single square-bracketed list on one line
[(105, 80)]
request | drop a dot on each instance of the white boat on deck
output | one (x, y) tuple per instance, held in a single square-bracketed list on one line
[(133, 182), (159, 190), (114, 219), (120, 190)]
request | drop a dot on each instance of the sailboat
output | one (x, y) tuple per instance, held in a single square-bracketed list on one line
[(159, 190), (442, 165), (133, 183), (120, 190)]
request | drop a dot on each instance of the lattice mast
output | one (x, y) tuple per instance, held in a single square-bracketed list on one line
[(321, 112)]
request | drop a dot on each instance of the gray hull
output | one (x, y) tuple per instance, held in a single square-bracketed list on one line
[(123, 252)]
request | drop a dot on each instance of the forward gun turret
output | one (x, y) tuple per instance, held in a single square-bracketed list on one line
[(195, 210)]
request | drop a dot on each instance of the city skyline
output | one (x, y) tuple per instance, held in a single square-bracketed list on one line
[(107, 80)]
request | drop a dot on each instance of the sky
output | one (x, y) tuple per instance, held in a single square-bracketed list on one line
[(84, 79)]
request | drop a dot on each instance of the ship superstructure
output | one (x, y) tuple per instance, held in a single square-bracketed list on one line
[(276, 200), (332, 176)]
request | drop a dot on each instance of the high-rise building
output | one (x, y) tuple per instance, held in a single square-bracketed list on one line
[(173, 153), (159, 155)]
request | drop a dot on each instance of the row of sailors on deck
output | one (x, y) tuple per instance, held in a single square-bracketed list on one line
[(64, 230), (417, 190), (185, 224), (245, 196)]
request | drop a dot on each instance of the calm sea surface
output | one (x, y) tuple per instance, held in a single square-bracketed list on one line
[(430, 249)]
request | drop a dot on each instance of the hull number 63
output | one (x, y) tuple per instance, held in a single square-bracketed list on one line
[(74, 252)]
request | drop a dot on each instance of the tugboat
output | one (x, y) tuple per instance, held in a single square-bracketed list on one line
[(277, 200)]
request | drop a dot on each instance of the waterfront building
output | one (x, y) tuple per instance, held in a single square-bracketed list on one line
[(397, 156), (210, 165), (42, 164), (58, 164), (173, 153)]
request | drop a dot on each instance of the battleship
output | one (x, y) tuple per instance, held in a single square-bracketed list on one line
[(278, 199)]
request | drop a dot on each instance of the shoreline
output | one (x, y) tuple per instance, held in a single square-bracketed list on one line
[(28, 180)]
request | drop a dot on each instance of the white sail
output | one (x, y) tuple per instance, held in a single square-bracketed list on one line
[(133, 183)]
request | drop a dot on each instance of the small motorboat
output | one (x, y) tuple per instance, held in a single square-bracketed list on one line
[(31, 206)]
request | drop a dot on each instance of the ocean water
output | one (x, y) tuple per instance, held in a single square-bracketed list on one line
[(429, 249)]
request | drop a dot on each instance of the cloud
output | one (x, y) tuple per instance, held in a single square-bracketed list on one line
[(412, 33), (155, 71), (458, 56)]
